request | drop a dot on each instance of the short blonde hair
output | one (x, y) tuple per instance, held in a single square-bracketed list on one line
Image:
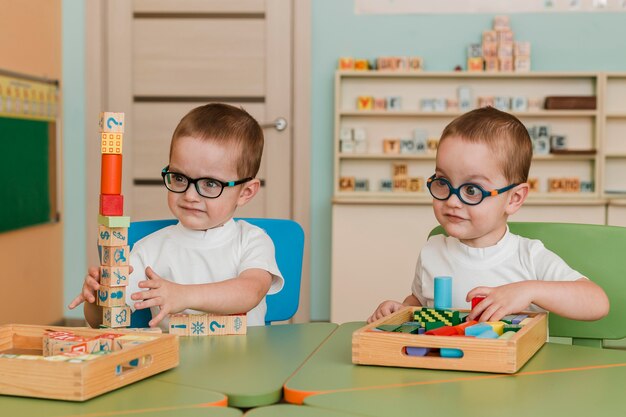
[(503, 133), (226, 125)]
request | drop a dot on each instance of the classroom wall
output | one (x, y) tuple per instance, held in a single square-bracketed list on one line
[(560, 42), (32, 258)]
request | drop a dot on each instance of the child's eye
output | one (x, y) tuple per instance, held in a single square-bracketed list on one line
[(179, 178), (471, 190), (209, 183)]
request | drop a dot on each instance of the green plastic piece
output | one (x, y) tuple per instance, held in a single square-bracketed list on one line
[(434, 325), (508, 319), (512, 328), (114, 221), (408, 328), (388, 327)]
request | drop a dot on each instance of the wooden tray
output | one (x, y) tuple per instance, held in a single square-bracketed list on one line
[(370, 347), (30, 375)]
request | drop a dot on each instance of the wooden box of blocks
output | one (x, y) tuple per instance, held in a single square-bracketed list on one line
[(374, 347), (79, 363)]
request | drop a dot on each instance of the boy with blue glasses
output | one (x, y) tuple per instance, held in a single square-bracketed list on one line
[(480, 180), (207, 262)]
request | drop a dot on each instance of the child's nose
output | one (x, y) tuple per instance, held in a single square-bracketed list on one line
[(454, 201), (191, 194)]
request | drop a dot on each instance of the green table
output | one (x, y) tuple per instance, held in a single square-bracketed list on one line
[(289, 410), (559, 379), (148, 397), (250, 370)]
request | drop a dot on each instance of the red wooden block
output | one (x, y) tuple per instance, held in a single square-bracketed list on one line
[(460, 328), (111, 174), (443, 331), (111, 204), (476, 300)]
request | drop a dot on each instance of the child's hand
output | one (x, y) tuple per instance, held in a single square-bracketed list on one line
[(384, 309), (162, 293), (500, 301), (90, 286)]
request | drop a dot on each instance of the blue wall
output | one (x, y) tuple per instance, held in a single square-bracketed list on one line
[(559, 41)]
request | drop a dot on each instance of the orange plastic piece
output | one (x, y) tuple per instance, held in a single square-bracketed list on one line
[(111, 174)]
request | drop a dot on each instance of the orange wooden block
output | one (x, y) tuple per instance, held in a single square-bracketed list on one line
[(346, 63), (112, 142), (111, 204), (111, 174)]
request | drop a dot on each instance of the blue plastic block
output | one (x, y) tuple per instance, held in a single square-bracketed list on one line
[(443, 293), (450, 353), (477, 329), (416, 351), (489, 334)]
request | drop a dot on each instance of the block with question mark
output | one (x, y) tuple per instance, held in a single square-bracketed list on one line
[(111, 122)]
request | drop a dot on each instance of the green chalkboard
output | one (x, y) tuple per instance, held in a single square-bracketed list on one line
[(27, 188)]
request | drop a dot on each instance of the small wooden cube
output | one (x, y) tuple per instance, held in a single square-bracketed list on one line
[(116, 316), (361, 65), (519, 103), (400, 170), (346, 183), (416, 184), (179, 324), (386, 185), (346, 146), (475, 64), (521, 63), (433, 144), (391, 146), (394, 103), (533, 184), (111, 143), (346, 63), (114, 255), (492, 64), (407, 146), (506, 64), (111, 296), (112, 236), (380, 103), (415, 63), (400, 184), (365, 103), (114, 221), (114, 276), (361, 184), (111, 122)]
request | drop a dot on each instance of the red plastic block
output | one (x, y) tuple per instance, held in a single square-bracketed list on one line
[(111, 204), (111, 174), (443, 331), (476, 300)]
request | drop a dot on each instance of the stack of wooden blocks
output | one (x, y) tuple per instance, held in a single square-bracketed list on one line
[(498, 51), (113, 226)]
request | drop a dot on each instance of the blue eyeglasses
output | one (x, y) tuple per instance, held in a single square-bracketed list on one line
[(468, 193), (206, 187)]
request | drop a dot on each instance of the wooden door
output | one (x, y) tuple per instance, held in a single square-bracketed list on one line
[(165, 58)]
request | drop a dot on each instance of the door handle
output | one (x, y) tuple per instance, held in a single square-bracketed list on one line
[(279, 124)]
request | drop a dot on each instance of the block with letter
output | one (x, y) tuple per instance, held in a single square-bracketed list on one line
[(492, 64), (114, 276), (111, 296), (116, 316), (380, 103), (112, 236), (475, 64), (416, 184), (391, 146), (111, 204), (114, 255), (111, 122), (365, 103), (415, 63), (111, 143), (400, 170), (346, 183), (361, 65), (346, 63)]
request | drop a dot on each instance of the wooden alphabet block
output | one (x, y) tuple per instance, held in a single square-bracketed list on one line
[(502, 103), (179, 324), (522, 63), (400, 170), (492, 64), (380, 103), (365, 103), (407, 146), (111, 143), (572, 185), (198, 325), (111, 296), (114, 255), (533, 184), (394, 103), (361, 65), (400, 184), (346, 63), (427, 104), (506, 64), (346, 183), (505, 36), (555, 185), (490, 36), (359, 134), (207, 324), (346, 146), (501, 22), (541, 145), (415, 63), (416, 184), (111, 204), (391, 146), (112, 236), (505, 50), (490, 49), (227, 325), (452, 104), (586, 186), (386, 185), (475, 50), (111, 122), (114, 276), (433, 144), (116, 316), (521, 48), (360, 146), (345, 133), (558, 142), (475, 64), (519, 103), (361, 184)]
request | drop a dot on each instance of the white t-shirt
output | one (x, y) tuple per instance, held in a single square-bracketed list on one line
[(513, 259), (189, 256)]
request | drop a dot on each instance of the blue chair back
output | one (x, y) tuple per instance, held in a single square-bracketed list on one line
[(288, 238)]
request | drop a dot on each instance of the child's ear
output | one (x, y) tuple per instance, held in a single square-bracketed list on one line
[(248, 190), (517, 196)]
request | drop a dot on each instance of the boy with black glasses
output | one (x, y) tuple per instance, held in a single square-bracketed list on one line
[(207, 262), (480, 179)]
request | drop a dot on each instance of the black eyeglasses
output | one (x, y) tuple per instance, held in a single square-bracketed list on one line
[(206, 187), (468, 193)]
